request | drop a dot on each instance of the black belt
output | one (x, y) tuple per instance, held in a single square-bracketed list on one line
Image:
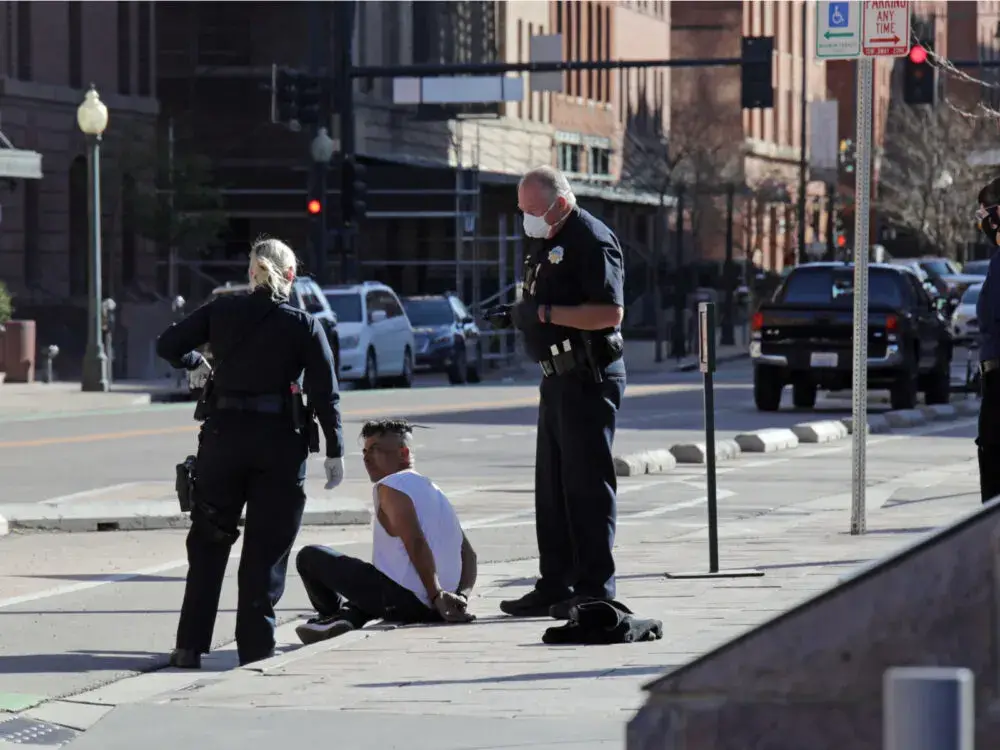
[(267, 404), (562, 359), (989, 365)]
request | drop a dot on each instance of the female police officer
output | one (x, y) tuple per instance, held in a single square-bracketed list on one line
[(251, 453), (988, 312)]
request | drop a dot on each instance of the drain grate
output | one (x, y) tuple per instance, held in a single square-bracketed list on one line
[(20, 731)]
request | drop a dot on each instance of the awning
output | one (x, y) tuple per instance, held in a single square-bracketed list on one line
[(18, 164)]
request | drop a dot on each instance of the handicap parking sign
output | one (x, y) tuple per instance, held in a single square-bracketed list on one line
[(839, 15)]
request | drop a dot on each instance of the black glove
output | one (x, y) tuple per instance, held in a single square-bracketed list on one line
[(524, 314), (499, 317)]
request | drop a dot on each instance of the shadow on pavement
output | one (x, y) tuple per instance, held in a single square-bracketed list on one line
[(74, 662), (103, 577), (527, 677)]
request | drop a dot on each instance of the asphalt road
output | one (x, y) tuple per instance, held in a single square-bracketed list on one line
[(472, 436)]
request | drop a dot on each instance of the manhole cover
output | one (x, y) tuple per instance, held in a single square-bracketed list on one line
[(38, 733)]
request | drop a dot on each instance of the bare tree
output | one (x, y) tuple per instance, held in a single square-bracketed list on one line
[(927, 184)]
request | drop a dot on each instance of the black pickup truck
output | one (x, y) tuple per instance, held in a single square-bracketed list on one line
[(803, 337)]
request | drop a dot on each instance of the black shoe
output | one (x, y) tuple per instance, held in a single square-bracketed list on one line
[(319, 629), (533, 604), (185, 658), (560, 610)]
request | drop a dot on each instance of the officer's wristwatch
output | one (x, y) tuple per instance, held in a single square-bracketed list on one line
[(547, 309)]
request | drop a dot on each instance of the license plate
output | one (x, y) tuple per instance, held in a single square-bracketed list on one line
[(823, 359)]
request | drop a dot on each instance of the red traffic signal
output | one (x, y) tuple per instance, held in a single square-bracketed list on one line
[(314, 207), (918, 55)]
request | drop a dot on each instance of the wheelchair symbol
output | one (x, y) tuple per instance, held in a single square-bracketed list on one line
[(839, 15)]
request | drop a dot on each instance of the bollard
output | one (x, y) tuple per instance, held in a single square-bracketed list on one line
[(50, 354), (928, 708)]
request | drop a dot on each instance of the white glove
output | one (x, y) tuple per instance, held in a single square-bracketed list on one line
[(199, 375), (334, 468)]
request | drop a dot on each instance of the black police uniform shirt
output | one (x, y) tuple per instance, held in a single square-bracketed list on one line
[(581, 264), (988, 312), (270, 353)]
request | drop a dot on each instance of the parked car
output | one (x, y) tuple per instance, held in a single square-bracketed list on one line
[(306, 295), (944, 273), (804, 336), (447, 337), (964, 321), (376, 339), (976, 267)]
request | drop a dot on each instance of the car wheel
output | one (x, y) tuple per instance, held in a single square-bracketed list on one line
[(405, 380), (370, 380), (472, 372), (903, 393), (459, 370), (804, 395), (767, 390)]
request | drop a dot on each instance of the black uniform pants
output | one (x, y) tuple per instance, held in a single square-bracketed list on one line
[(335, 582), (257, 462), (575, 484), (988, 440)]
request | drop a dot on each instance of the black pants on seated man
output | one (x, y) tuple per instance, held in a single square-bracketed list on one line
[(347, 593)]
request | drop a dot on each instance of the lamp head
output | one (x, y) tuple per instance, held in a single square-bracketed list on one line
[(92, 115)]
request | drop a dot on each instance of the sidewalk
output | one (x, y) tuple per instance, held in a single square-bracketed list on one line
[(450, 687), (25, 400)]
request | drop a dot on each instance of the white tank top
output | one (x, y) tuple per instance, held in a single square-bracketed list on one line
[(439, 523)]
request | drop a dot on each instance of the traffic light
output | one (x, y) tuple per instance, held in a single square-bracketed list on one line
[(314, 207), (847, 156), (919, 79), (756, 72), (353, 191), (285, 96), (310, 95)]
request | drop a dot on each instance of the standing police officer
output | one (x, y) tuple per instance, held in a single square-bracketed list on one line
[(570, 314), (252, 452), (988, 312)]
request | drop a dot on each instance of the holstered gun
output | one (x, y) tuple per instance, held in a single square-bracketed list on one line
[(304, 419)]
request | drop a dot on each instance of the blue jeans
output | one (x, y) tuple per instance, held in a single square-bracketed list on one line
[(338, 584)]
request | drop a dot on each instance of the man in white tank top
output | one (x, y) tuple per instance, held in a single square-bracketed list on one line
[(423, 567)]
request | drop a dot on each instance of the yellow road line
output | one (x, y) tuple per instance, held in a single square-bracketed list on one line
[(640, 390)]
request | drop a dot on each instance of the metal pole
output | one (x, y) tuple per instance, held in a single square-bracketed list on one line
[(95, 376), (862, 199), (318, 40), (345, 32), (706, 319), (831, 221), (658, 234), (803, 113), (679, 281), (928, 708), (728, 337), (502, 273), (171, 248)]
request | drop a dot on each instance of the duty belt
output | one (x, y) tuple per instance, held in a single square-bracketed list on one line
[(562, 359), (989, 365), (266, 404)]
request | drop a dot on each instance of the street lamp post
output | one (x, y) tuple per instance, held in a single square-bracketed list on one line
[(92, 117), (321, 149)]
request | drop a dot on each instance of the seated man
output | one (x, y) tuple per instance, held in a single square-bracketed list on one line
[(423, 567)]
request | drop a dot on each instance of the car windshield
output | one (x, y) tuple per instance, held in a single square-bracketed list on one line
[(425, 313), (976, 267), (937, 267), (835, 286), (347, 307), (971, 295)]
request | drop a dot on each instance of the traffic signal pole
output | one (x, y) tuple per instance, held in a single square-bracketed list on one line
[(344, 23), (318, 224)]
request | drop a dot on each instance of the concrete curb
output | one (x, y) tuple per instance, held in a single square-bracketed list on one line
[(150, 516), (647, 462), (820, 432), (694, 453), (771, 440), (767, 441)]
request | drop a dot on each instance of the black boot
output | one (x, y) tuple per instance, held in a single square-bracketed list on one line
[(989, 476), (533, 604), (185, 658)]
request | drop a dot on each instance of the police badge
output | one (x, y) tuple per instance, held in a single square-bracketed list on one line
[(556, 255)]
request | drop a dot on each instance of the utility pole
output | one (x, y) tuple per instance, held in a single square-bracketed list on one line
[(680, 279), (728, 339), (344, 31), (318, 41)]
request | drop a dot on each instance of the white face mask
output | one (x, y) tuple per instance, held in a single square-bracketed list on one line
[(536, 226)]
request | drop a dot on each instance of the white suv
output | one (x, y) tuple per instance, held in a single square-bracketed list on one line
[(376, 339)]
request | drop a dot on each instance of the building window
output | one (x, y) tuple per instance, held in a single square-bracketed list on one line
[(75, 56), (568, 158), (578, 47), (599, 161), (124, 48), (593, 42), (520, 58), (560, 10), (143, 43), (32, 257), (600, 91), (529, 94), (24, 41)]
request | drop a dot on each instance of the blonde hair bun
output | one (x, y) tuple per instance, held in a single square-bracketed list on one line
[(273, 265)]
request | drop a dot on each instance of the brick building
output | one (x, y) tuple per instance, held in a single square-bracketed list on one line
[(49, 54)]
